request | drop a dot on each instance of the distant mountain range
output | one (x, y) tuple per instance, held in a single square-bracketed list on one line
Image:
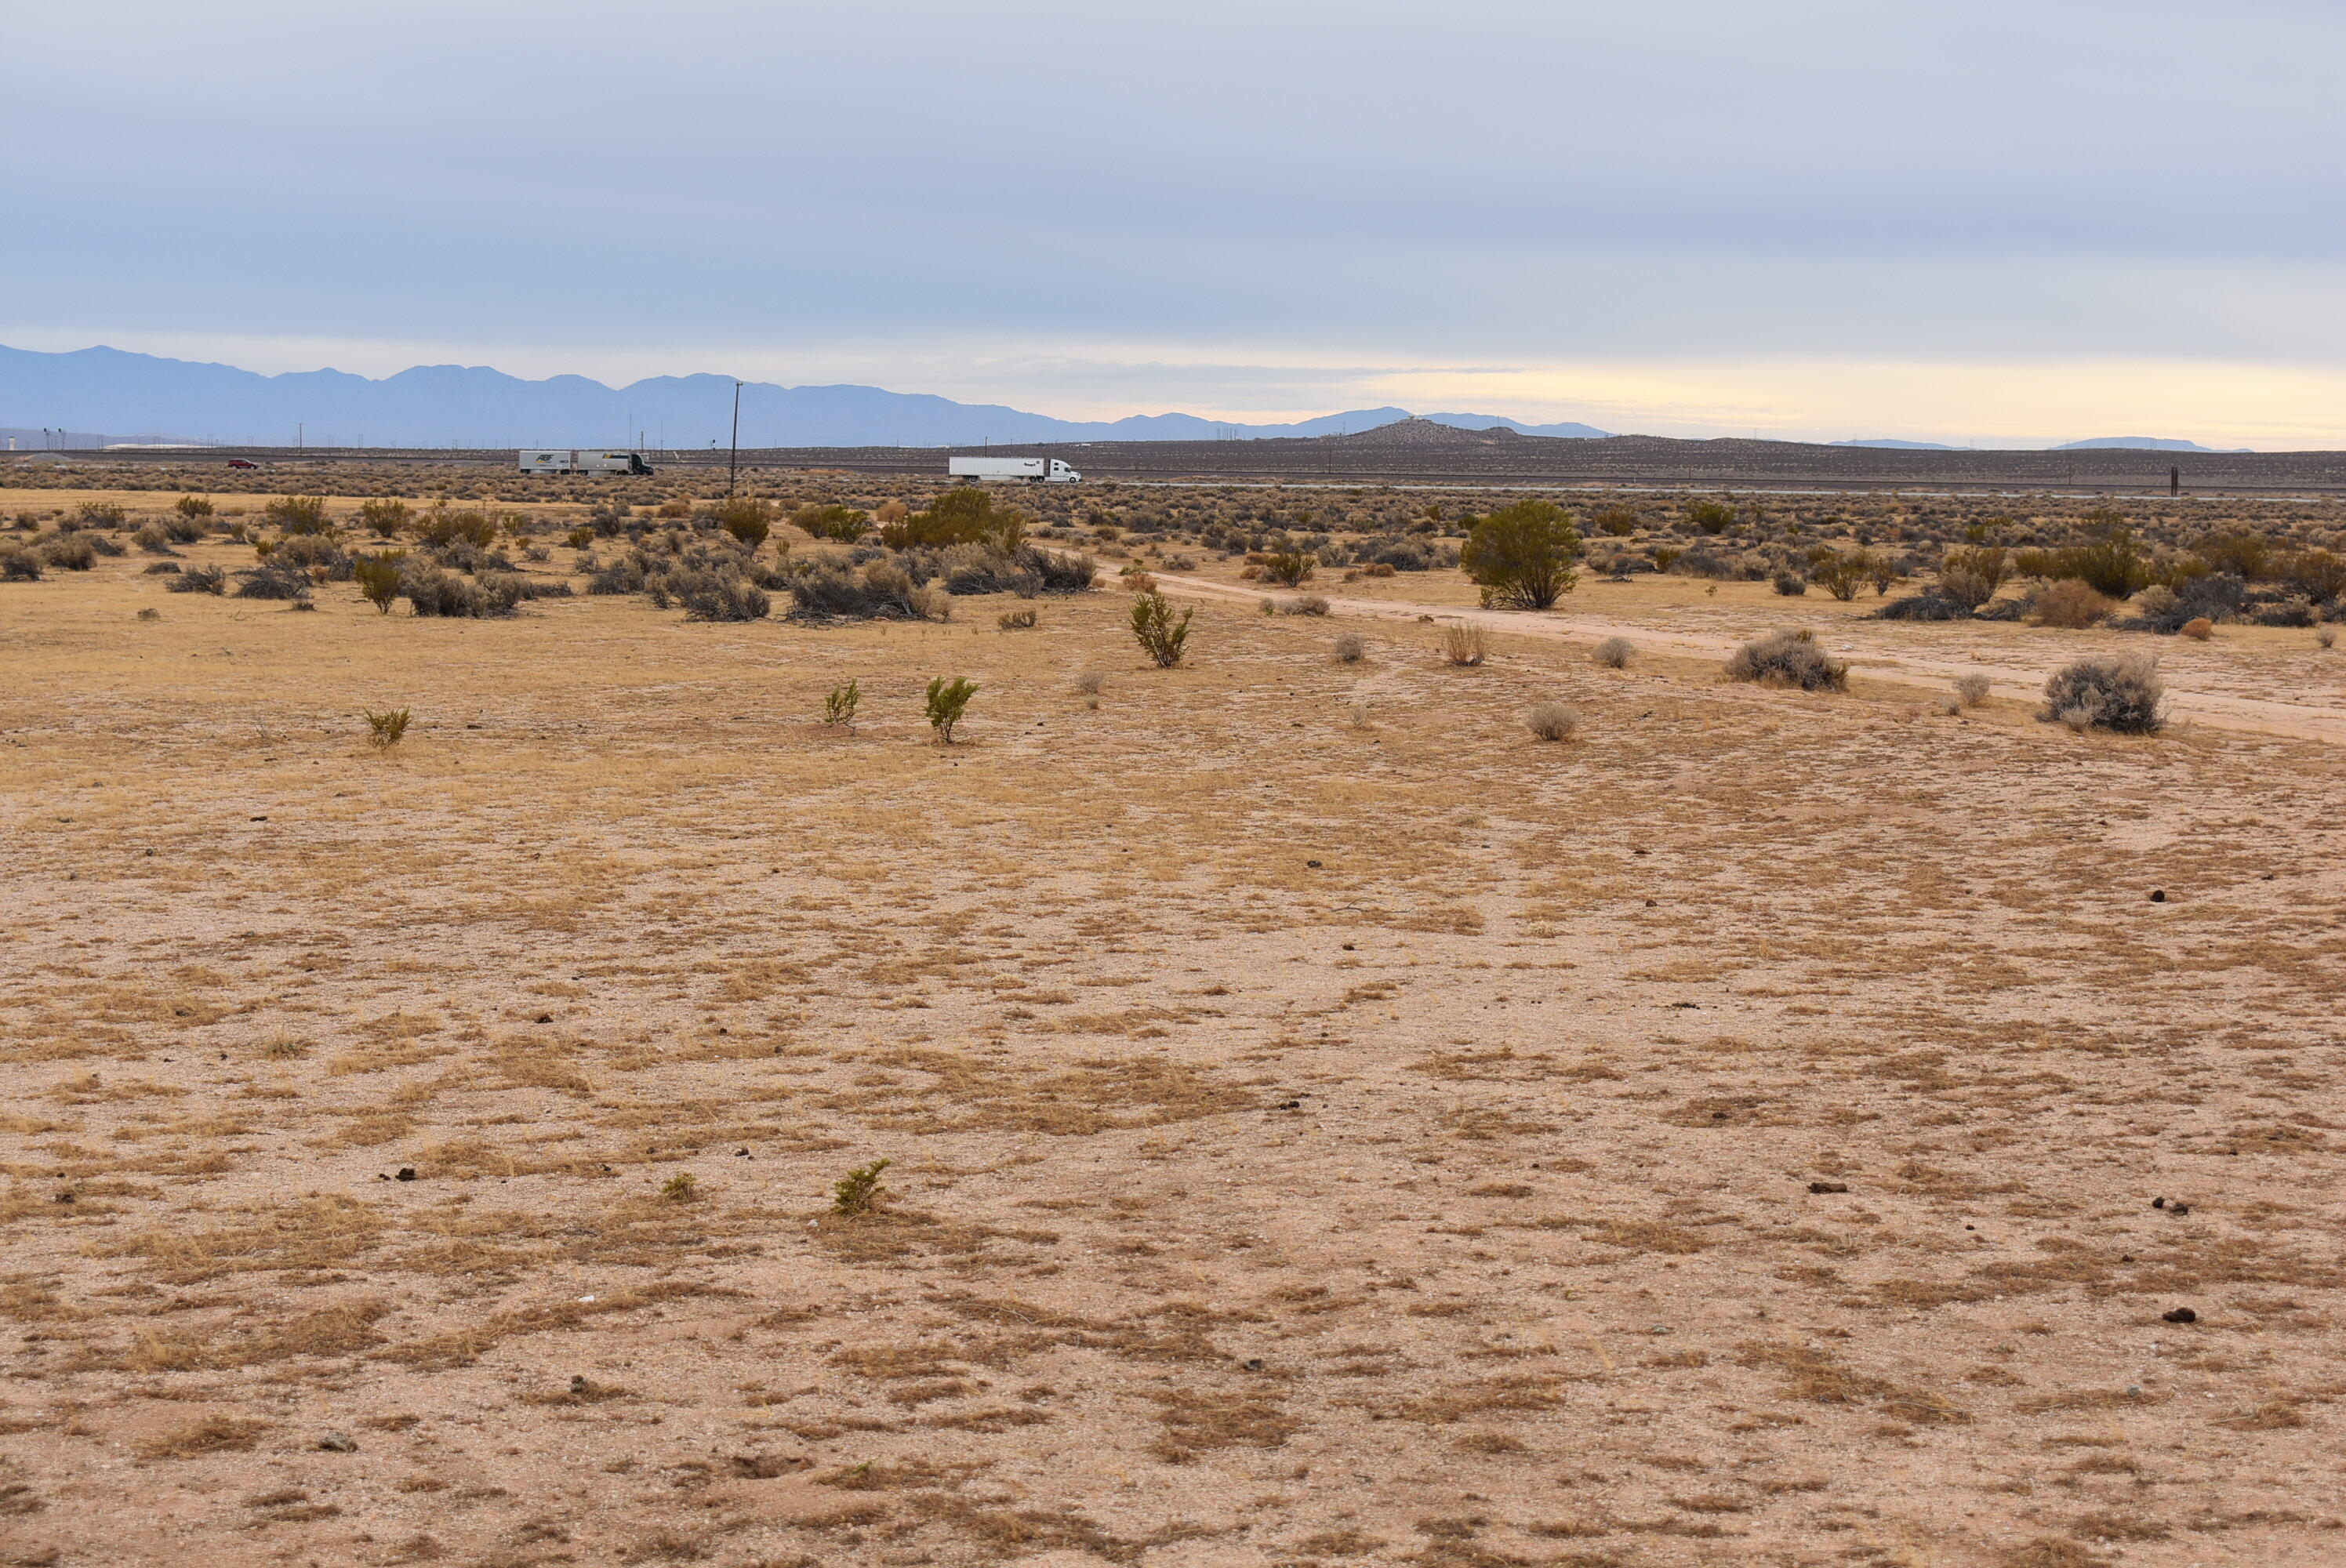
[(453, 405), (2100, 443)]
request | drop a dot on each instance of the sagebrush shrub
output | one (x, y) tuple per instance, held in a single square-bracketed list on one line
[(1789, 659), (1289, 568), (1090, 682), (199, 580), (1614, 653), (192, 507), (18, 565), (1971, 575), (1790, 584), (711, 595), (1841, 572), (1552, 720), (1350, 648), (1972, 690), (99, 514), (154, 539), (2124, 694), (1304, 604), (2071, 604), (844, 524), (274, 579), (299, 514), (69, 552), (746, 519), (386, 517)]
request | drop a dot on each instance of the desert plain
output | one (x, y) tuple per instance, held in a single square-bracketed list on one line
[(1325, 1123)]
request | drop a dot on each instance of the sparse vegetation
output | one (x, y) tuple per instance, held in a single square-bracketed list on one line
[(947, 702), (2072, 604), (378, 578), (1613, 653), (1972, 690), (860, 1191), (384, 517), (1465, 645), (1789, 659), (839, 706), (298, 515), (1970, 575), (2122, 695), (387, 728), (1161, 637), (1350, 648), (1552, 720)]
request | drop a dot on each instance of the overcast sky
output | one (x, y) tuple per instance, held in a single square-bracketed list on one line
[(1976, 223)]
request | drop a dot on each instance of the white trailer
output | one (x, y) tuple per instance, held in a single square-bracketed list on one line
[(1034, 470), (572, 459)]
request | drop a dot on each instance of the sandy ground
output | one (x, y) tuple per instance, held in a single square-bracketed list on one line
[(1328, 1126)]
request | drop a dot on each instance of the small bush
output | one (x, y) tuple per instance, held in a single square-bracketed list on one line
[(150, 614), (1552, 720), (199, 580), (858, 1191), (314, 553), (432, 590), (1970, 575), (625, 576), (274, 580), (844, 524), (681, 1188), (677, 508), (18, 565), (193, 507), (825, 590), (1790, 659), (748, 520), (2327, 637), (2288, 611), (1521, 555), (1023, 620), (1289, 568), (1711, 516), (2318, 574), (1162, 637), (710, 595), (299, 514), (1972, 690), (1090, 683), (155, 539), (385, 729), (2124, 694), (1618, 522), (442, 528), (69, 552), (1667, 556), (2071, 606), (98, 514), (1614, 653), (1350, 648), (378, 578), (947, 700), (1929, 606), (1790, 585), (386, 518), (839, 706), (1841, 572), (1305, 604), (1466, 646), (2198, 630)]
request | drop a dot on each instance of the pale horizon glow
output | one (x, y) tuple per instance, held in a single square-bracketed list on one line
[(1822, 220)]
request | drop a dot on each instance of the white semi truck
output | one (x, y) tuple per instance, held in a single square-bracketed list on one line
[(1034, 470), (567, 460)]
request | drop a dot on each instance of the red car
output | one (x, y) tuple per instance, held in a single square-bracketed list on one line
[(241, 463)]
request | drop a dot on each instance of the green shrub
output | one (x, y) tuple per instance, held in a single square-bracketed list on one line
[(844, 524), (1667, 556), (1711, 516), (98, 514), (2109, 561), (1619, 522), (298, 515), (385, 729), (1289, 567), (746, 519), (838, 707), (947, 699), (441, 528), (192, 507), (1160, 637), (2244, 553), (858, 1191), (1521, 555), (378, 578), (2318, 574), (1841, 573), (1969, 575), (1022, 620), (963, 515), (386, 517)]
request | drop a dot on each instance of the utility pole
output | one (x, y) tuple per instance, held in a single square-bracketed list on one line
[(733, 467)]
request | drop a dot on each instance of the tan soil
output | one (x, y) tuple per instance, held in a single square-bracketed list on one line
[(1329, 1125)]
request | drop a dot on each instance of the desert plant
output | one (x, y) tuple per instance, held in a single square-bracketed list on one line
[(199, 580), (98, 514), (299, 514), (860, 1191), (378, 578), (385, 729), (1789, 659), (839, 706), (1614, 653), (1466, 646), (1021, 620), (714, 596), (1289, 568), (2318, 574), (193, 507), (1969, 575), (431, 590), (1162, 637), (274, 580), (18, 565), (2123, 695), (150, 614), (2070, 604), (1552, 720), (2108, 561), (681, 1188), (442, 528), (1619, 522), (2326, 638), (2198, 630), (747, 518), (678, 507), (1521, 555), (1790, 584), (2244, 552), (1062, 574), (1841, 572), (1090, 683), (1972, 690), (384, 517), (1883, 573), (964, 515), (155, 539), (1667, 556), (1710, 516), (1350, 648), (947, 699), (579, 538), (69, 552), (844, 524), (1304, 604)]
